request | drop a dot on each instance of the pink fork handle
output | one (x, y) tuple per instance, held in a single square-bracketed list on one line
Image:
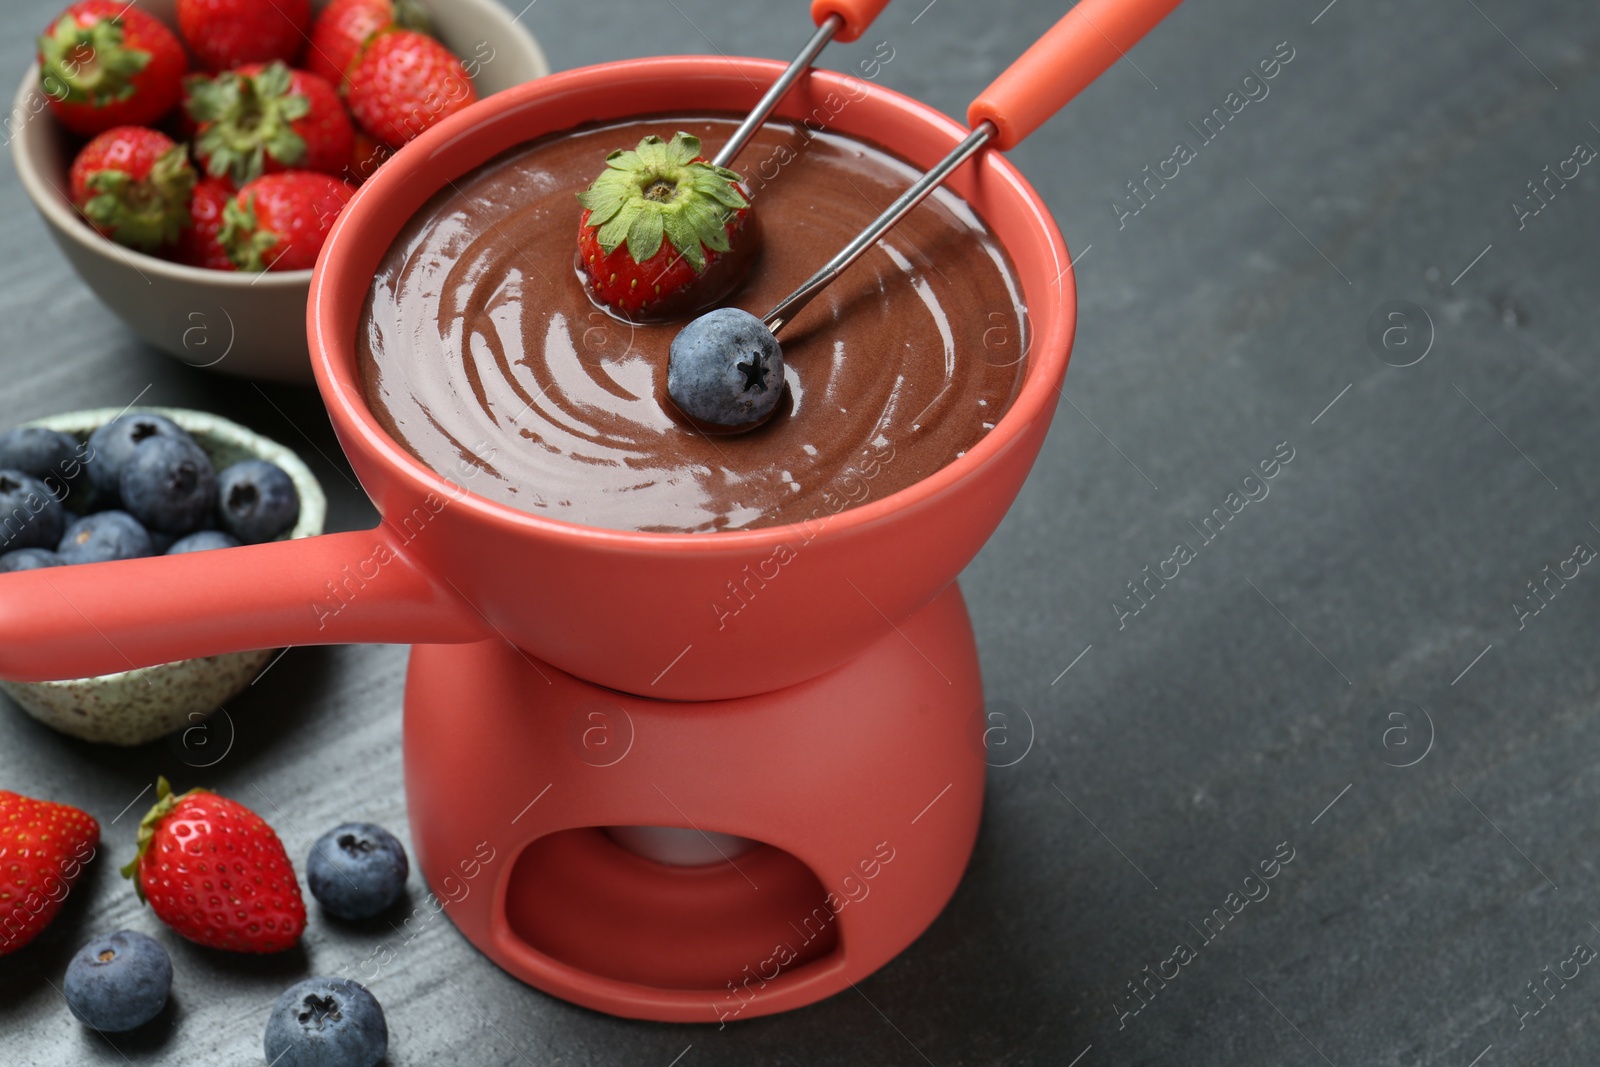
[(856, 15), (84, 620), (1071, 54)]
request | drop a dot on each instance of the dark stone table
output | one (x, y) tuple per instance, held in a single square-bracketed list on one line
[(1348, 683)]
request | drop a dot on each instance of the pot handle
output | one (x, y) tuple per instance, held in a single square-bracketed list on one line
[(344, 588)]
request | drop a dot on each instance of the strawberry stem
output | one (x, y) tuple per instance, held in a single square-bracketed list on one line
[(88, 64), (242, 237), (147, 213), (246, 119)]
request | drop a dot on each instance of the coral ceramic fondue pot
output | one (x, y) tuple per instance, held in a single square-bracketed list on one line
[(617, 608), (798, 793)]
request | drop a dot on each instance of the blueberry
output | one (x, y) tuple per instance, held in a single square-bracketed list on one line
[(29, 559), (104, 536), (204, 541), (326, 1022), (119, 981), (112, 445), (53, 457), (725, 368), (30, 515), (357, 870), (257, 501), (168, 484), (164, 542)]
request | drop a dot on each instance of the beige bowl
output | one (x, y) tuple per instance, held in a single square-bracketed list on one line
[(249, 325), (133, 707)]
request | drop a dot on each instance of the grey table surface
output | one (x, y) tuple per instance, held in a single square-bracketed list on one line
[(1342, 675)]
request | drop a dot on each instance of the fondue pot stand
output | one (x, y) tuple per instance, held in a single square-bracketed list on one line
[(621, 795), (797, 840)]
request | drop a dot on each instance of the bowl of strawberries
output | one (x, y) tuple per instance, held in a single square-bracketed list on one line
[(190, 156)]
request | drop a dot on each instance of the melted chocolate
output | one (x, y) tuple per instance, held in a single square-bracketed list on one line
[(482, 354)]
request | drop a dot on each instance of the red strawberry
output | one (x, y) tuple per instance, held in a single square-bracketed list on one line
[(344, 27), (105, 63), (265, 119), (404, 83), (43, 847), (224, 34), (211, 869), (663, 231), (199, 246), (368, 156), (133, 185), (279, 222)]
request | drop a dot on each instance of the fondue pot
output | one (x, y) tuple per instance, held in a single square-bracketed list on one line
[(802, 783)]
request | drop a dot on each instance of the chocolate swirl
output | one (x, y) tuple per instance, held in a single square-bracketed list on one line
[(482, 352)]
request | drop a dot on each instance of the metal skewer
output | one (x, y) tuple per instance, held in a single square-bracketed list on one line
[(1071, 54), (768, 103), (791, 305)]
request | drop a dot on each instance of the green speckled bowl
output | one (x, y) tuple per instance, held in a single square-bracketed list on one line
[(133, 707)]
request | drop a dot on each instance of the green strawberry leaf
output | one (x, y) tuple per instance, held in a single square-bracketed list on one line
[(644, 236), (615, 231), (211, 99), (682, 149), (626, 161), (721, 191), (246, 243), (681, 234), (274, 81)]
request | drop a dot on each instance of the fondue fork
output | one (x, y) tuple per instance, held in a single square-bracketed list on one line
[(1061, 64), (729, 345), (832, 16)]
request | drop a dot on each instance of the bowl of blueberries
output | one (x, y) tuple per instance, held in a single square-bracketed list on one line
[(96, 486)]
